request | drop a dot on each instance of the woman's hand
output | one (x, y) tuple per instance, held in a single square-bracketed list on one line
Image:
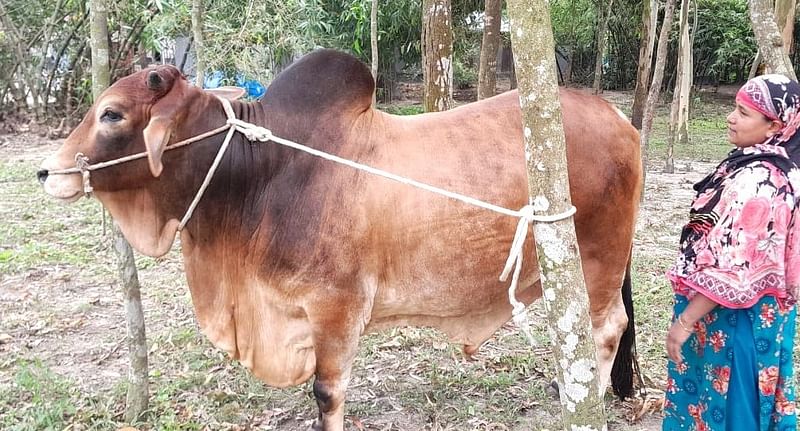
[(676, 336), (683, 326)]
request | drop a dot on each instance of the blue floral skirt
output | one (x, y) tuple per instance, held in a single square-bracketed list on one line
[(736, 372)]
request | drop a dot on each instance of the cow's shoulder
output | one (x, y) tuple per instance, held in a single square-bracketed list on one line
[(322, 80)]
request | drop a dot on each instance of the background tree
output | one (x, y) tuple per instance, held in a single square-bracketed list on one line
[(648, 41), (373, 36), (437, 57), (603, 14), (768, 37), (137, 397), (784, 17), (655, 85), (532, 38), (681, 96), (199, 43), (487, 71)]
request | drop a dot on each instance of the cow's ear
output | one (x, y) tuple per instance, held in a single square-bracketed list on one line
[(230, 93), (156, 137)]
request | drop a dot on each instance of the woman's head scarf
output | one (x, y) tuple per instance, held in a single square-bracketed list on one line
[(777, 98)]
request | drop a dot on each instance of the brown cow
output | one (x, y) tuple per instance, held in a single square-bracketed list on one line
[(290, 258)]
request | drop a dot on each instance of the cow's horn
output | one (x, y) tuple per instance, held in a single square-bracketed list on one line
[(154, 80)]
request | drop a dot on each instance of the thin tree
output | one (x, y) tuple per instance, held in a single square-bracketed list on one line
[(655, 86), (561, 273), (487, 68), (199, 43), (647, 43), (603, 14), (679, 112), (373, 37), (768, 37), (437, 55), (137, 397)]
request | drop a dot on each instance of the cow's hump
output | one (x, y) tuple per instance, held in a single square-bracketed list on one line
[(322, 80)]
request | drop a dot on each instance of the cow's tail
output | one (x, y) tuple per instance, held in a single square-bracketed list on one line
[(625, 363)]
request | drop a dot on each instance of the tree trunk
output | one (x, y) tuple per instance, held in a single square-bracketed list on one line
[(137, 397), (373, 37), (754, 67), (679, 112), (437, 55), (655, 86), (602, 28), (648, 41), (784, 17), (487, 70), (199, 43), (768, 37), (576, 365)]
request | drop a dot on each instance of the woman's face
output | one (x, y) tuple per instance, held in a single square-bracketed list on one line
[(748, 127)]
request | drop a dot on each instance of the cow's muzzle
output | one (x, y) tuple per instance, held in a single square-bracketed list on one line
[(42, 175)]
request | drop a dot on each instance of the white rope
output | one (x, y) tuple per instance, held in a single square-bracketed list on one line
[(207, 179)]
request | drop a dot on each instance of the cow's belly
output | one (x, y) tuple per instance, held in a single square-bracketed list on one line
[(469, 312)]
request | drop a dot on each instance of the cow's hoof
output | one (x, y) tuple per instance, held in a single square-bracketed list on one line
[(552, 389), (317, 425)]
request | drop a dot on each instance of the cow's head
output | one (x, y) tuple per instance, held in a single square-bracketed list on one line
[(139, 113), (135, 114)]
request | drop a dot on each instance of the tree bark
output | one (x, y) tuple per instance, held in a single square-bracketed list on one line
[(373, 37), (784, 16), (199, 43), (602, 28), (437, 55), (679, 112), (137, 397), (487, 68), (566, 300), (649, 22), (655, 86), (768, 37)]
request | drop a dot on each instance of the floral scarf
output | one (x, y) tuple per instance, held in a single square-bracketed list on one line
[(742, 241)]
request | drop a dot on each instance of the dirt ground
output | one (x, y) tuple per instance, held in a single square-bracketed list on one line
[(67, 314)]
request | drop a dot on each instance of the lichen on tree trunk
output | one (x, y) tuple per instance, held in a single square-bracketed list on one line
[(649, 21), (199, 42), (564, 291)]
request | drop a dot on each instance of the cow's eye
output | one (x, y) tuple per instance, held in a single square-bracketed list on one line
[(110, 116)]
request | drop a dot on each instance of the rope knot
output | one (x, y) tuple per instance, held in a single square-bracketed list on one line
[(82, 163)]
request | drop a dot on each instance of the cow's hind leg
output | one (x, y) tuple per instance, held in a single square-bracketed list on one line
[(609, 318)]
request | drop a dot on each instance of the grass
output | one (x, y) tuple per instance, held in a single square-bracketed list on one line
[(37, 232)]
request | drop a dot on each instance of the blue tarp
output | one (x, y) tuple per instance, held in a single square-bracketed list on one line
[(254, 88)]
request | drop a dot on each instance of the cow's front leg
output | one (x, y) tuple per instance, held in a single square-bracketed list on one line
[(336, 345)]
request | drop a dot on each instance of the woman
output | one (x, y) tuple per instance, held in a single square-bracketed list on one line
[(737, 275)]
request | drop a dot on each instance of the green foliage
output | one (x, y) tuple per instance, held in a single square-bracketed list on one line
[(399, 23), (403, 109), (724, 44), (257, 38), (464, 75)]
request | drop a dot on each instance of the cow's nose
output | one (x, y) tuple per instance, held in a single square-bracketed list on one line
[(42, 175)]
